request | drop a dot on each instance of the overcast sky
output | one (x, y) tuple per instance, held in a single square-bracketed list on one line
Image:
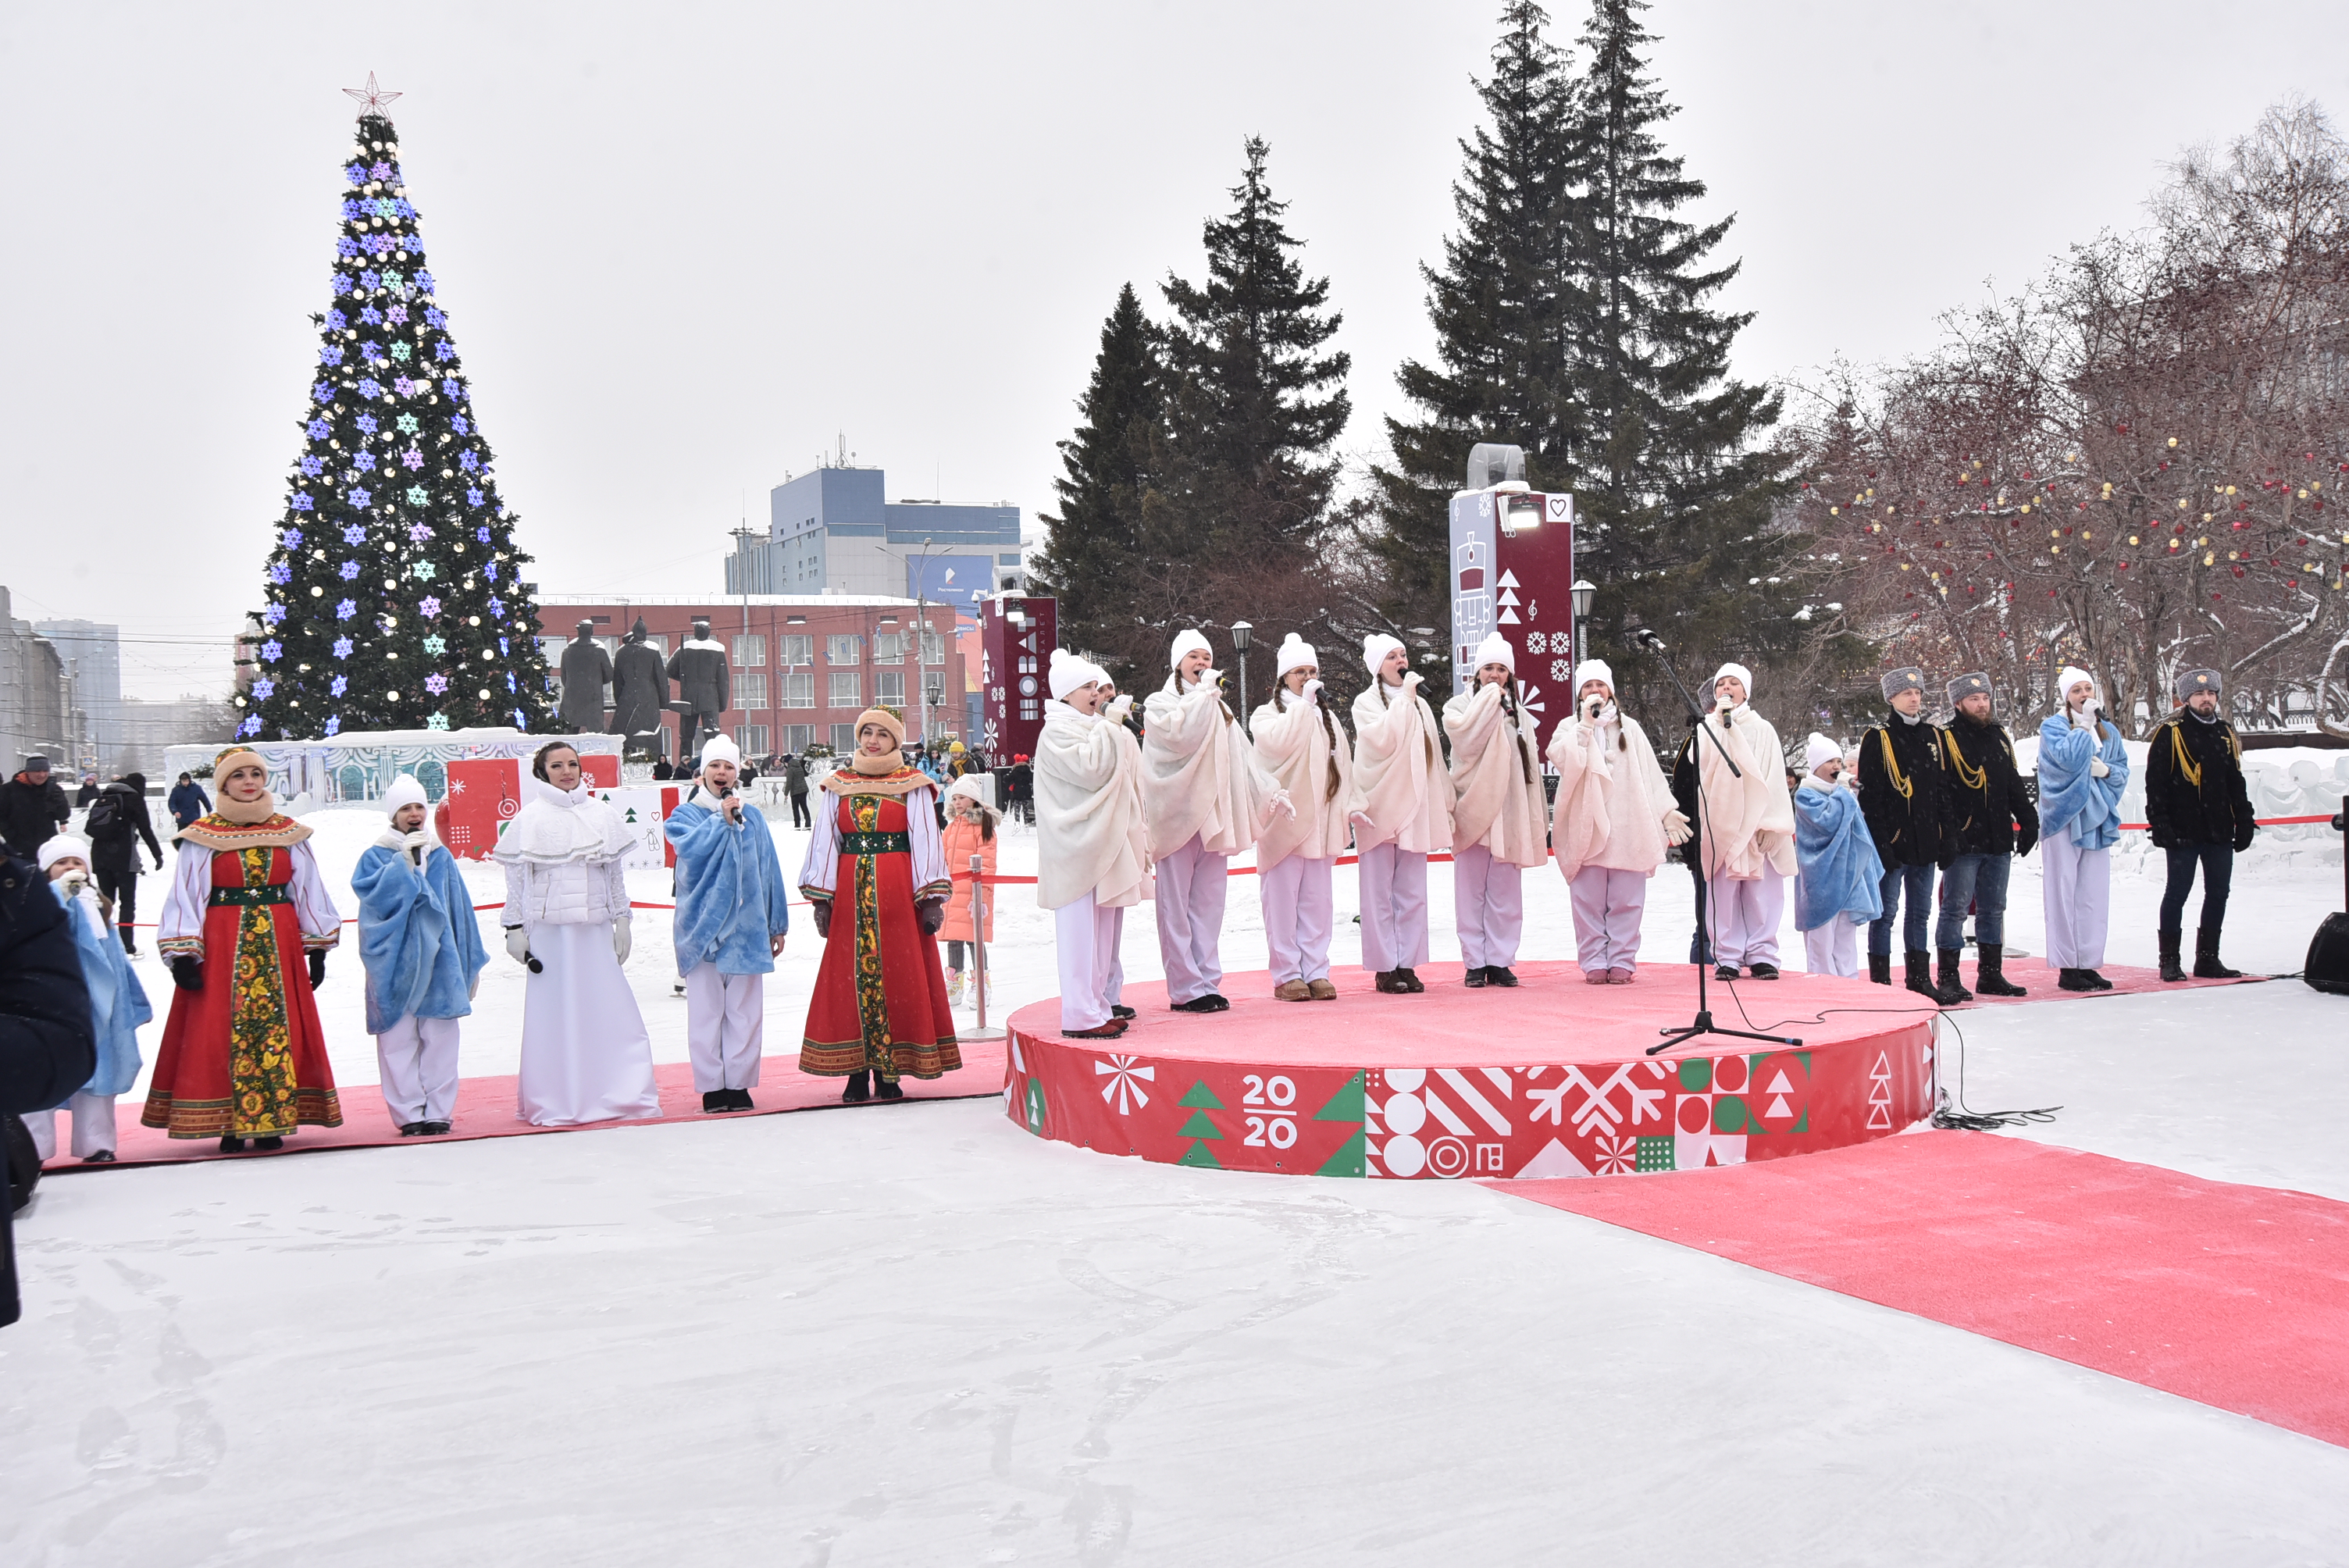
[(685, 247)]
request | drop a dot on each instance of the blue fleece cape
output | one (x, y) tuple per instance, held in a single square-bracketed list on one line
[(731, 895), (1840, 873), (118, 1004), (417, 937), (2069, 795)]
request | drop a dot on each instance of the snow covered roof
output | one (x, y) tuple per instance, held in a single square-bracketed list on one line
[(713, 601)]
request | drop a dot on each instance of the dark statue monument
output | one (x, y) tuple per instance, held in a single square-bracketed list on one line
[(703, 686), (639, 695), (586, 671)]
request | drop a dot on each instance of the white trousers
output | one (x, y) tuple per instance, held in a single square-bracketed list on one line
[(93, 1126), (1608, 906), (1393, 885), (1833, 949), (2079, 886), (417, 1061), (1191, 887), (1489, 907), (1115, 992), (1299, 910), (1744, 916), (1087, 940), (725, 1027)]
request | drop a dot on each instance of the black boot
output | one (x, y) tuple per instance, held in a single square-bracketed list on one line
[(2206, 958), (1500, 974), (1473, 977), (1880, 968), (1952, 982), (130, 942), (716, 1101), (1917, 966), (1989, 973), (2172, 970), (859, 1087), (2074, 980), (887, 1089), (269, 1143), (231, 1146)]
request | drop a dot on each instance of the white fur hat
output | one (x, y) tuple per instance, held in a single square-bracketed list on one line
[(1188, 640), (403, 790), (2073, 676), (1375, 649), (1744, 678), (1071, 671), (1296, 652), (1590, 670), (59, 846), (977, 786), (721, 749), (1820, 751), (1495, 650)]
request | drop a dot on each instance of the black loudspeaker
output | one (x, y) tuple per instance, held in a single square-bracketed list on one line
[(2328, 956)]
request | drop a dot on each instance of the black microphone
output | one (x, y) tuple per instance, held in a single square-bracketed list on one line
[(1647, 639)]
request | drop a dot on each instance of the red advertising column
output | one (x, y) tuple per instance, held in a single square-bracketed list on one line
[(1016, 638), (1513, 572)]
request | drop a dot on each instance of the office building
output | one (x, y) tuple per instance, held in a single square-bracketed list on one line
[(832, 531)]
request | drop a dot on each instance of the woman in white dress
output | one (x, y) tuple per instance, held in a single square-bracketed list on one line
[(585, 1053)]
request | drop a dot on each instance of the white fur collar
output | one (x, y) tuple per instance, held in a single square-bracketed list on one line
[(392, 839), (707, 644)]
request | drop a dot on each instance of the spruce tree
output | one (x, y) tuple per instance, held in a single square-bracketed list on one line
[(1503, 306), (393, 599), (1088, 560)]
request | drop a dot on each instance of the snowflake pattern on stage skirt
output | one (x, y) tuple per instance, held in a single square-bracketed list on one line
[(880, 999)]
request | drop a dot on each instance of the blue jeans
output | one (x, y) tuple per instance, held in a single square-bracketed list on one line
[(1918, 879), (1979, 880), (2217, 864)]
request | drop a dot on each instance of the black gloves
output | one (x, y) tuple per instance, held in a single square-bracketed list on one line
[(2025, 839), (2243, 835), (187, 972), (317, 968), (823, 908), (932, 913)]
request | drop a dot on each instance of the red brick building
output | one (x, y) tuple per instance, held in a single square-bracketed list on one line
[(802, 666)]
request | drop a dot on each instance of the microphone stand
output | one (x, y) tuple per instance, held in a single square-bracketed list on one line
[(1702, 1024)]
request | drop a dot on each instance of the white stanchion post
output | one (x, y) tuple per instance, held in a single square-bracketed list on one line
[(978, 939)]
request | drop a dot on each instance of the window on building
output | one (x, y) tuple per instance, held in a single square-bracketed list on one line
[(553, 648), (798, 737), (798, 649), (1011, 560), (934, 648), (844, 739), (751, 689), (847, 690), (799, 690), (889, 686), (889, 648), (751, 651), (753, 739), (843, 650)]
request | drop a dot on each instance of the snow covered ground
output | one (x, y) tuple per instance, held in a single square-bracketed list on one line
[(916, 1335)]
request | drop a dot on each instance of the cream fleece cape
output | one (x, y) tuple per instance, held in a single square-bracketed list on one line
[(1612, 800), (1399, 781), (1749, 821), (1199, 775), (1293, 746), (1493, 803), (1089, 826)]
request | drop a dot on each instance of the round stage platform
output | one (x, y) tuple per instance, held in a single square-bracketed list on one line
[(1547, 1080)]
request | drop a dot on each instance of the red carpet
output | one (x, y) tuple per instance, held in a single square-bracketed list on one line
[(2235, 1296), (2034, 975), (485, 1109)]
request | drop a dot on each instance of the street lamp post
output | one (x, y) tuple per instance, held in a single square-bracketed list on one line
[(1584, 591), (1242, 635)]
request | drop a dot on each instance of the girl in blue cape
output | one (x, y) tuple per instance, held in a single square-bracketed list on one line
[(1839, 885), (2082, 771), (422, 949), (732, 909), (118, 1005)]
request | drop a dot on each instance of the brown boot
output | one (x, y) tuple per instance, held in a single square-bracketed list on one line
[(1390, 981), (1321, 990), (1292, 991)]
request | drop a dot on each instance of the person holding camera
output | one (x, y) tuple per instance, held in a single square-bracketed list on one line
[(2083, 770), (733, 912), (1612, 824), (421, 947)]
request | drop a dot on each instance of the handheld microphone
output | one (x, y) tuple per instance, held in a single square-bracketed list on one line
[(1647, 639)]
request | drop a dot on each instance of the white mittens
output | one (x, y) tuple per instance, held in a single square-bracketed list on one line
[(1676, 828), (1281, 801), (620, 939), (517, 943), (1119, 710), (415, 842), (2097, 767), (1313, 692), (1362, 821)]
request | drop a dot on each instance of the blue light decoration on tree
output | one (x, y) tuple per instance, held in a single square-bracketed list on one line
[(392, 599)]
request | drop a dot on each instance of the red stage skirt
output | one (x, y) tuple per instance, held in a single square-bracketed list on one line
[(880, 997), (245, 1056)]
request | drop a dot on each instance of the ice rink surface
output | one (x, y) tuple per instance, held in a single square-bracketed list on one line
[(914, 1334)]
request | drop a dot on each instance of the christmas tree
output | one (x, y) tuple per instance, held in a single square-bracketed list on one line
[(393, 592)]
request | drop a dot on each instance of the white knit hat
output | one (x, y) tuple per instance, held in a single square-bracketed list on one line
[(1296, 654), (1590, 670), (719, 749), (1375, 649), (403, 790), (1819, 751), (1744, 678), (977, 786), (59, 846), (2073, 676), (1188, 640), (1071, 671), (1495, 650)]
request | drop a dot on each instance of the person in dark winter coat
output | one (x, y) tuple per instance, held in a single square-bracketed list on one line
[(1904, 794), (115, 825), (188, 801), (795, 785), (2200, 813), (87, 792), (46, 1047), (32, 808), (1991, 820)]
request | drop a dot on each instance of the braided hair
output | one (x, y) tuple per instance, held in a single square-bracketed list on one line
[(1280, 694), (1517, 735)]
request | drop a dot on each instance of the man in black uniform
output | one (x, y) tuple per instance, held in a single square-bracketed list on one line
[(1991, 820), (1904, 794), (2200, 813)]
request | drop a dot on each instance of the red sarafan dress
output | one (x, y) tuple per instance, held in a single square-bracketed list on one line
[(245, 1056), (880, 999)]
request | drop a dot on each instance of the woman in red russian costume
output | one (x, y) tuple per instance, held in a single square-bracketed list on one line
[(243, 1056), (876, 876)]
